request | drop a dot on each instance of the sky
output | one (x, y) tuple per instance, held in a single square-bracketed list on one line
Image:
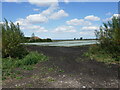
[(59, 20)]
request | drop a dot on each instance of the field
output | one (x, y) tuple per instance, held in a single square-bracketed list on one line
[(67, 67)]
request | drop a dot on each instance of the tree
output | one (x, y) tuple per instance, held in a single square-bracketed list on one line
[(33, 35), (109, 33), (12, 38), (74, 38), (81, 38), (109, 37)]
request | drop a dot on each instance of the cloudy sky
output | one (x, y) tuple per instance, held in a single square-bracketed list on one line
[(59, 20)]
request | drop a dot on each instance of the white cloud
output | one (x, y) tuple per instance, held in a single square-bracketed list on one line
[(87, 34), (92, 18), (109, 19), (65, 29), (50, 10), (109, 13), (36, 9), (22, 21), (90, 28), (29, 22), (78, 22), (26, 25), (116, 15), (59, 14), (36, 18), (44, 16), (34, 28), (1, 22), (63, 0), (11, 1), (42, 29), (66, 1), (43, 2)]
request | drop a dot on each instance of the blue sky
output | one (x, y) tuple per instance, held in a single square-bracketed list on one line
[(59, 20)]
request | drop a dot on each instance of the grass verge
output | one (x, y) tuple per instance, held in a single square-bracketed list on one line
[(27, 63)]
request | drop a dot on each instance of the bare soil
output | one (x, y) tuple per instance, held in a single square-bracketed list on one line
[(67, 67)]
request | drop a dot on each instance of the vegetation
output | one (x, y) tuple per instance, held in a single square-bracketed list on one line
[(40, 40), (14, 54), (81, 38), (10, 64), (12, 38), (33, 38), (108, 49)]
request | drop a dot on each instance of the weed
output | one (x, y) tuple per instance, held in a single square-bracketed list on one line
[(50, 69), (61, 71), (19, 77)]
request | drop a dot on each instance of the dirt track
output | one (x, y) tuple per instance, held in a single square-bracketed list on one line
[(67, 68)]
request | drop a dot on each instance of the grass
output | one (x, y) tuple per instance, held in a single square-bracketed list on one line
[(61, 71), (29, 67), (102, 55), (50, 69), (10, 64), (19, 78), (29, 85), (35, 77), (51, 80)]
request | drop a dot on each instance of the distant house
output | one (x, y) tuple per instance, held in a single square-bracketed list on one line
[(35, 38)]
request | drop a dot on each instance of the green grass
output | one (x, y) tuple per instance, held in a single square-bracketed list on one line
[(19, 78), (29, 67), (61, 71), (10, 64)]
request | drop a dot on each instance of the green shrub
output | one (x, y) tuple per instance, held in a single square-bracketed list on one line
[(33, 58), (11, 39)]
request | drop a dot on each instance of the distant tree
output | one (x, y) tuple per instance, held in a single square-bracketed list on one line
[(74, 38), (81, 38), (33, 35), (49, 40)]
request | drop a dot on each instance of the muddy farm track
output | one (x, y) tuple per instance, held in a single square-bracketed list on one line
[(66, 68)]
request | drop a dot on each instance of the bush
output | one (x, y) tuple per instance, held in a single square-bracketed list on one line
[(11, 39), (33, 58)]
